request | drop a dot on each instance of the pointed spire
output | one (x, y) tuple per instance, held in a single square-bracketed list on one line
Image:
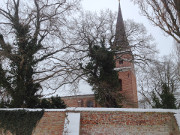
[(120, 35)]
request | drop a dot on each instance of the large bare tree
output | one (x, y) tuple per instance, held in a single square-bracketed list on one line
[(32, 47), (163, 13), (97, 30), (91, 29)]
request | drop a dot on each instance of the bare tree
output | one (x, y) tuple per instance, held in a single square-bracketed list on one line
[(94, 29), (177, 60), (154, 76), (177, 56), (32, 47), (163, 13), (91, 30)]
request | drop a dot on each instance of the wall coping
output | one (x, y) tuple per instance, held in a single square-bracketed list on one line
[(79, 109), (82, 109), (33, 110)]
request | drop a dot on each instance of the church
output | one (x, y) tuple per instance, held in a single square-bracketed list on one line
[(126, 73)]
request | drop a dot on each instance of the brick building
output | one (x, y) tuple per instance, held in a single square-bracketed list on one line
[(80, 101), (125, 68)]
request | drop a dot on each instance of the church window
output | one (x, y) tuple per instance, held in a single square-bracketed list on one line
[(80, 103), (89, 103), (120, 61), (120, 82)]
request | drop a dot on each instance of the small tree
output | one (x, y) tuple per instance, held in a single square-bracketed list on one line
[(102, 76), (164, 99), (157, 80), (49, 103), (53, 102)]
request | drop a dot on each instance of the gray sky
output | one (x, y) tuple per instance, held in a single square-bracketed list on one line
[(131, 11)]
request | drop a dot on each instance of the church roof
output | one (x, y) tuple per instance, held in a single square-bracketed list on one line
[(120, 35), (78, 96)]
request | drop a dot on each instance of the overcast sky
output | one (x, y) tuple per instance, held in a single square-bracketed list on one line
[(131, 11)]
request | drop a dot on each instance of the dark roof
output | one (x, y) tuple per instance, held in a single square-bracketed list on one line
[(120, 35), (78, 96)]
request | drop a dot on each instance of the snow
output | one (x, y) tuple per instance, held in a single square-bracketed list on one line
[(16, 109), (72, 124), (33, 110), (127, 51), (79, 109), (122, 69)]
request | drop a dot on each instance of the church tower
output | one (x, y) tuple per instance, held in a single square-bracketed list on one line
[(125, 65)]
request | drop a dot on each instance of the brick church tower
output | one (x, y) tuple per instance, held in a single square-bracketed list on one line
[(125, 65), (125, 68)]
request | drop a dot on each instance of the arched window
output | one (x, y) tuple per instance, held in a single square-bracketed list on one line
[(89, 103), (120, 82)]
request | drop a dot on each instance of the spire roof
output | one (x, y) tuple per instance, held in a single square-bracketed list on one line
[(120, 35)]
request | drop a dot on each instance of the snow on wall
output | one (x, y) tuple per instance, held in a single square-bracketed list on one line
[(79, 109), (33, 110)]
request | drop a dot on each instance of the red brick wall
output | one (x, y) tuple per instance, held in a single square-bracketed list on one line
[(52, 123), (128, 123), (110, 123)]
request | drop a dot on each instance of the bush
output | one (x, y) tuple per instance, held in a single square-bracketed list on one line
[(51, 103)]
